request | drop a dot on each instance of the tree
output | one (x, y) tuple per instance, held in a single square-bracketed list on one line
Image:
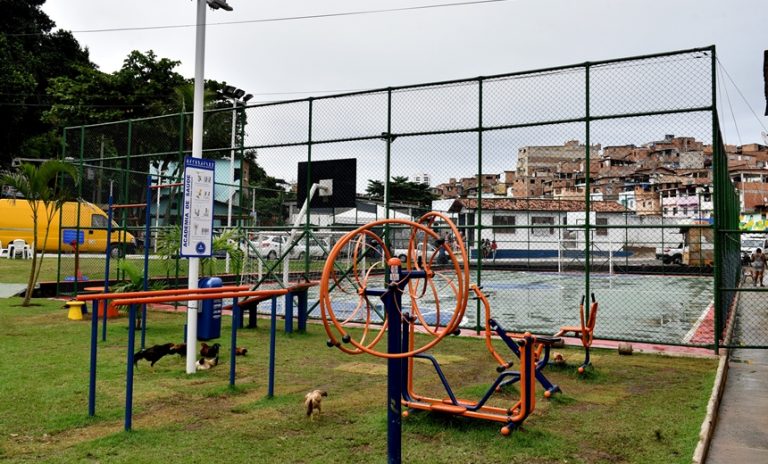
[(45, 189), (30, 54), (401, 190)]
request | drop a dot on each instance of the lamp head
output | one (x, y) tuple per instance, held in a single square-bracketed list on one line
[(216, 4)]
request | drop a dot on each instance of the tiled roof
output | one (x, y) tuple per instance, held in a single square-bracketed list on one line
[(539, 204)]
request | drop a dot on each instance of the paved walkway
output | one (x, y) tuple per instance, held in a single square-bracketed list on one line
[(741, 433), (9, 290), (741, 430)]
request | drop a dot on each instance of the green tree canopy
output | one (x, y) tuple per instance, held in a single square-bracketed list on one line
[(401, 190), (30, 54)]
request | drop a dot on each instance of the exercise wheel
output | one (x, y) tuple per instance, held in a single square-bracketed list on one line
[(360, 269)]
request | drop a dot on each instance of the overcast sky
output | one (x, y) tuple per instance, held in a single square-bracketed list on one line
[(300, 58)]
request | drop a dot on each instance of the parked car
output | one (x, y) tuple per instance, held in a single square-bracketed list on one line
[(670, 254), (402, 253), (751, 242), (318, 248), (274, 246)]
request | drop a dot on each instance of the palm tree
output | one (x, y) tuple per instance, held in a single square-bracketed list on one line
[(44, 189)]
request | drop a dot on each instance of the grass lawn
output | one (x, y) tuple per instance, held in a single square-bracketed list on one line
[(630, 409)]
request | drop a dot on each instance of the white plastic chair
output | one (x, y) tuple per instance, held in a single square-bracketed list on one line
[(3, 251), (18, 247)]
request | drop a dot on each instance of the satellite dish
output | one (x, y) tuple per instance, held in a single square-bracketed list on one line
[(765, 137)]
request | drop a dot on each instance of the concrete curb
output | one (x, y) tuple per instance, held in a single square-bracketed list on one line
[(708, 426)]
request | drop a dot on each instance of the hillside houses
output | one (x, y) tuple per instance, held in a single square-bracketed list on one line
[(670, 177)]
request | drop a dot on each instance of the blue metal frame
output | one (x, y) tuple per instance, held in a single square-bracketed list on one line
[(540, 365)]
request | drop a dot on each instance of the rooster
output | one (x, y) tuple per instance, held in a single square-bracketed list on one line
[(180, 349), (312, 402), (209, 351), (152, 354), (240, 351), (207, 363)]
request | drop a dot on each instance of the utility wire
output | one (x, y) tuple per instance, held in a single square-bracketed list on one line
[(742, 95), (274, 20), (733, 116)]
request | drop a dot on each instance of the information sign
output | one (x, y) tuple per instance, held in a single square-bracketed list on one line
[(197, 212)]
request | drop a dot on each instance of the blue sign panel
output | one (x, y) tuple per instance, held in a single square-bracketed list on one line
[(69, 236)]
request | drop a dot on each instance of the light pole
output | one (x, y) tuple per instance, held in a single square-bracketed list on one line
[(236, 96), (197, 152)]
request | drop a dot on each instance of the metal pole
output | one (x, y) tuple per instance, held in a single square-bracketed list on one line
[(272, 335), (107, 260), (92, 373), (479, 195), (587, 195), (719, 173), (157, 209), (147, 232), (197, 152), (233, 344), (230, 189), (129, 368), (392, 302)]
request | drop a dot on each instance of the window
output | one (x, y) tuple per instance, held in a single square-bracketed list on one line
[(674, 211), (666, 210), (540, 221), (601, 230), (98, 221), (499, 221)]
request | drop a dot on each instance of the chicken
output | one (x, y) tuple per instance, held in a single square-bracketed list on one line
[(240, 351), (312, 402), (209, 351), (207, 363), (180, 349), (152, 354)]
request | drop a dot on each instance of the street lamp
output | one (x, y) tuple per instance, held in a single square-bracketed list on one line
[(236, 96), (197, 152)]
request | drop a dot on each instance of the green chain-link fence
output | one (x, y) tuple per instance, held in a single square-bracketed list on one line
[(604, 177)]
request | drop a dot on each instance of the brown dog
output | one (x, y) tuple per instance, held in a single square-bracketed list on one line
[(312, 402)]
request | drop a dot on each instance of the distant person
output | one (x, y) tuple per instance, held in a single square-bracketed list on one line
[(440, 245), (494, 247), (758, 266)]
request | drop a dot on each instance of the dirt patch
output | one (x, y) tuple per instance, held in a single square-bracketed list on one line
[(363, 368)]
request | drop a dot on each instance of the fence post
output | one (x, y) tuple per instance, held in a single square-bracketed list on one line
[(717, 170), (587, 186), (479, 224)]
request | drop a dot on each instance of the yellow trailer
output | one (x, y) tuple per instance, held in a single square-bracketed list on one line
[(16, 223)]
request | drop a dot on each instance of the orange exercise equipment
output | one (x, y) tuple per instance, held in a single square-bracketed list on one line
[(346, 300), (584, 331)]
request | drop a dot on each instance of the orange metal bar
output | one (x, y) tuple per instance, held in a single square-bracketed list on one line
[(177, 291), (197, 297)]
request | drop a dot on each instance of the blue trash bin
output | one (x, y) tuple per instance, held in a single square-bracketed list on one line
[(209, 312)]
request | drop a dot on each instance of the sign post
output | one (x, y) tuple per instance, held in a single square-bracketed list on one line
[(196, 235)]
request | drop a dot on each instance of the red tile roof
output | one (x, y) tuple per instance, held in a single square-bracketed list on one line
[(538, 204)]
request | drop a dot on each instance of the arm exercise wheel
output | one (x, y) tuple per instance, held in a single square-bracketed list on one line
[(353, 275)]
